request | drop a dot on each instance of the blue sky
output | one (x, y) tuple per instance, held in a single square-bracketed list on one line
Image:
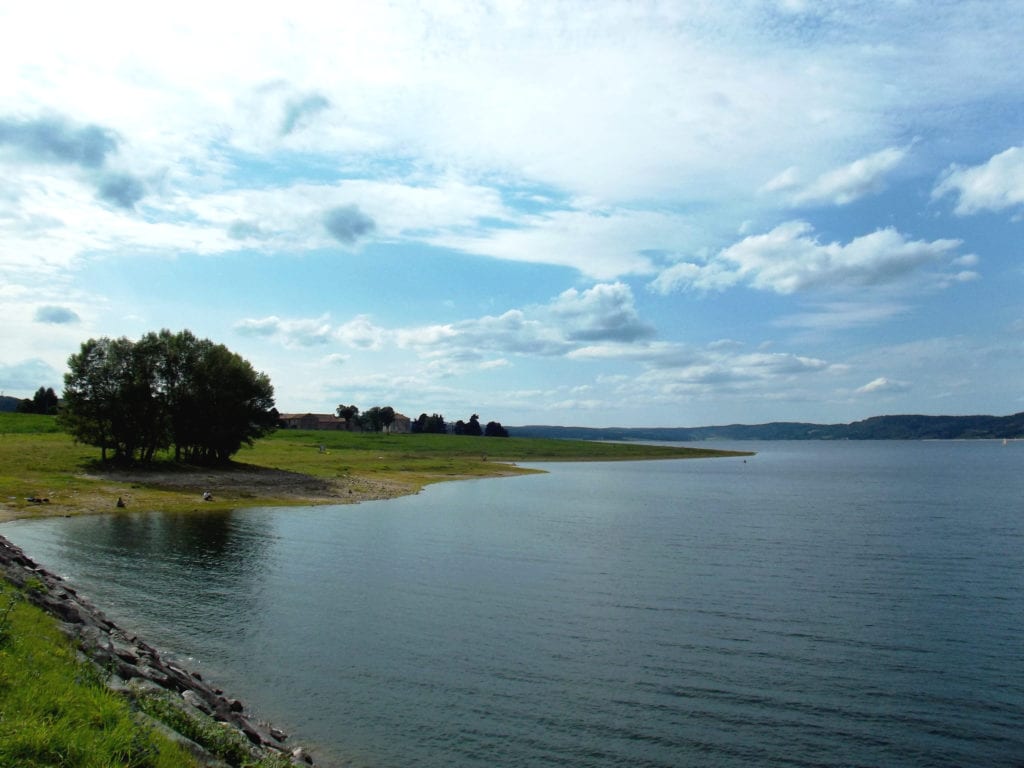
[(635, 213)]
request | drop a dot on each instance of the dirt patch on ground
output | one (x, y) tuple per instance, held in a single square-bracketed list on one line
[(261, 482), (230, 487)]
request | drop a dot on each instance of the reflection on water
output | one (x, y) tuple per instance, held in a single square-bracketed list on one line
[(818, 604)]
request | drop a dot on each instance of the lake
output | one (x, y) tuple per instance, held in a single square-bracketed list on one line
[(818, 604)]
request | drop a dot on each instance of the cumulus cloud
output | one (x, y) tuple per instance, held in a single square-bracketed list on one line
[(120, 189), (672, 370), (27, 375), (842, 185), (604, 312), (56, 315), (86, 148), (239, 229), (57, 140), (883, 385), (306, 332), (790, 258), (995, 185), (301, 108), (347, 223), (361, 332)]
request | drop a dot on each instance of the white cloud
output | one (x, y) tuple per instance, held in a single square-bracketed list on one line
[(291, 332), (790, 258), (842, 185), (28, 375), (602, 313), (995, 185), (883, 385), (56, 315), (603, 245), (838, 315)]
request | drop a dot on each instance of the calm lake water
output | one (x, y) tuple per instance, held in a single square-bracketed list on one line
[(819, 604)]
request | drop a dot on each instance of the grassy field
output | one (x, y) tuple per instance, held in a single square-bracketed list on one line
[(56, 711), (431, 458), (288, 467)]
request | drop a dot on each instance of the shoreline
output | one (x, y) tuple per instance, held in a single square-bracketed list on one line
[(238, 487), (134, 669)]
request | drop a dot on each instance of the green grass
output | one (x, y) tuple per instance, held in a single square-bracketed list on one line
[(27, 423), (422, 459), (55, 711), (37, 460)]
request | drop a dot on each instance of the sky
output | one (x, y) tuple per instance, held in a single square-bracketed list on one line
[(580, 213)]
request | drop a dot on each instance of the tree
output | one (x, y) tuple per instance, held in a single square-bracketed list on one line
[(473, 426), (430, 424), (136, 398), (377, 418), (228, 405), (494, 429), (347, 412), (44, 401), (98, 379)]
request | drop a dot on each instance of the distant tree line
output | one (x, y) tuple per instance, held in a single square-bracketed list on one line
[(380, 418), (44, 401), (472, 427), (165, 390), (433, 423)]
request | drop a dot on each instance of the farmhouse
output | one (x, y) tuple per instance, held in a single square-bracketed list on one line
[(310, 421), (402, 424)]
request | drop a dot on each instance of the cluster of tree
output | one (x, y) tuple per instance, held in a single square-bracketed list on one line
[(472, 427), (373, 419), (44, 401), (165, 390), (431, 424)]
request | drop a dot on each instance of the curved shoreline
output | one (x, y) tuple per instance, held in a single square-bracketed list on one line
[(132, 665)]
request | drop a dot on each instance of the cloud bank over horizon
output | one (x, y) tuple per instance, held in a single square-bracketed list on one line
[(616, 214)]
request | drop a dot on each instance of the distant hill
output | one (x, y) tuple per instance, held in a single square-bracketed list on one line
[(9, 404), (910, 427)]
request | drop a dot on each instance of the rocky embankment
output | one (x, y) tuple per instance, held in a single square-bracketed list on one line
[(130, 665)]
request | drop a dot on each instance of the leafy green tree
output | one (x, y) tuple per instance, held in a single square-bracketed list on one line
[(473, 426), (227, 405), (44, 401), (92, 389), (377, 418), (494, 429), (348, 413), (369, 419), (430, 424), (166, 389)]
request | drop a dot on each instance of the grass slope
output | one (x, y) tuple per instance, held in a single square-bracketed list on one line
[(56, 711)]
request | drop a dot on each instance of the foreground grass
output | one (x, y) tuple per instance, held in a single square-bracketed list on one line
[(38, 461), (56, 711)]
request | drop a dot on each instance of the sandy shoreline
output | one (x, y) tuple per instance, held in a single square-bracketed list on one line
[(234, 487)]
